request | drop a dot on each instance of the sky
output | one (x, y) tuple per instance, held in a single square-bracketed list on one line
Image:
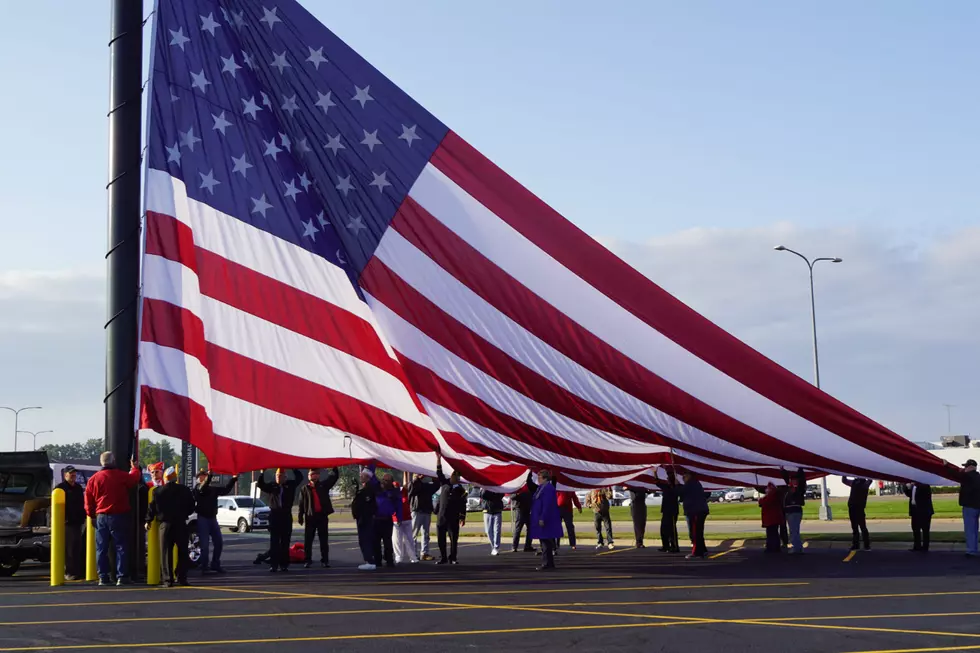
[(690, 138)]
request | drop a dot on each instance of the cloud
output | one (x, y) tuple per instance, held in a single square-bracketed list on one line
[(898, 323)]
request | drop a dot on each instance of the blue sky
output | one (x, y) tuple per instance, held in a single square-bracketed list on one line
[(674, 132)]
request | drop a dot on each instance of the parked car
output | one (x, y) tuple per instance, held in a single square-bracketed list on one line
[(812, 492), (236, 513), (739, 494), (25, 506), (473, 501), (717, 496), (82, 473), (653, 499), (618, 497)]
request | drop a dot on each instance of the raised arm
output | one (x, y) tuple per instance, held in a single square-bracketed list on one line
[(331, 479), (228, 487), (532, 487), (847, 481), (263, 484)]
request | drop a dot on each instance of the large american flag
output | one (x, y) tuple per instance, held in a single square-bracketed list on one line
[(331, 274)]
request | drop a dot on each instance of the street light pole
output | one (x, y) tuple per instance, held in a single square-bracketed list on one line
[(825, 512), (34, 435), (16, 412)]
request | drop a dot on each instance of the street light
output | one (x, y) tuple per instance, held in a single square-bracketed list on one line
[(825, 512), (16, 412), (34, 435)]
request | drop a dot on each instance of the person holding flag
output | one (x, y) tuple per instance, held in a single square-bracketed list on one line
[(282, 494), (172, 505), (208, 530)]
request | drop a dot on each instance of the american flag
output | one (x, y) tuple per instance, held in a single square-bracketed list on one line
[(332, 274)]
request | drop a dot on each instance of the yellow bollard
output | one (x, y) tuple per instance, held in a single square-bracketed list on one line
[(57, 537), (91, 568), (153, 549)]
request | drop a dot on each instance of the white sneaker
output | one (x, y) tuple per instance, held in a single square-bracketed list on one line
[(367, 566), (611, 546), (598, 546), (493, 552)]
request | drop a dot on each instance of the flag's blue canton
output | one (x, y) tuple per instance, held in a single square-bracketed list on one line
[(267, 116)]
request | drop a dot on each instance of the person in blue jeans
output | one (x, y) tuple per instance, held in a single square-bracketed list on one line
[(208, 530), (107, 502), (970, 502), (793, 501)]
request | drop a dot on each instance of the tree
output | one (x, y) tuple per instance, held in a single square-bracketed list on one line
[(82, 453), (150, 452)]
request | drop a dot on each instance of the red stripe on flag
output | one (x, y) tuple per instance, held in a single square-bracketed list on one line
[(269, 299), (171, 326), (179, 417), (510, 297), (606, 272), (439, 391)]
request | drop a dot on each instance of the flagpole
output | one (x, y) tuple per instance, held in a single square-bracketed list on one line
[(123, 254)]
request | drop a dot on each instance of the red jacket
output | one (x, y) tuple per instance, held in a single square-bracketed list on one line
[(772, 509), (107, 492), (406, 511), (567, 499)]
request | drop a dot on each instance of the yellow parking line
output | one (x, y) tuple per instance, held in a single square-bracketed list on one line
[(725, 552), (924, 650), (850, 555), (625, 548)]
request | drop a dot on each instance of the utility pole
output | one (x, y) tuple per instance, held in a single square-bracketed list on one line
[(949, 418)]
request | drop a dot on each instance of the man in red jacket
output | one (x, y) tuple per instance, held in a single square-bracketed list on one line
[(107, 503)]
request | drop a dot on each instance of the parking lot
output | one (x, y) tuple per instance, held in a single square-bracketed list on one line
[(738, 600)]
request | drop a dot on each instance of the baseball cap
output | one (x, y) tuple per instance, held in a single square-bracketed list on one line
[(69, 469), (970, 463)]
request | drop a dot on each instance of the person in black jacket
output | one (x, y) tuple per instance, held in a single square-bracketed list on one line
[(970, 502), (172, 504), (521, 509), (695, 511), (420, 492), (282, 494), (206, 496), (363, 508), (74, 520), (315, 509), (793, 502), (857, 504), (451, 513), (920, 510), (668, 513), (638, 512)]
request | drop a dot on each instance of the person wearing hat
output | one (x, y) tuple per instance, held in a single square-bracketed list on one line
[(363, 509), (970, 502), (282, 494), (208, 530), (156, 474), (172, 504), (74, 519)]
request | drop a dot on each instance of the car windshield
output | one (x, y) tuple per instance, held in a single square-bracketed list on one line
[(247, 502)]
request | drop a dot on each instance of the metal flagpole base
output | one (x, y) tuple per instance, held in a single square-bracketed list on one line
[(826, 514)]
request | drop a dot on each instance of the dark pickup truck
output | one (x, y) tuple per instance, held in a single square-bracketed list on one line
[(25, 509)]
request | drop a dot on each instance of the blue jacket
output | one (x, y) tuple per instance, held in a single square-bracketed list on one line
[(389, 503), (544, 507)]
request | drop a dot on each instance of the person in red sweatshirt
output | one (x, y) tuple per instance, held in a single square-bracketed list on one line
[(107, 503), (567, 503), (771, 504)]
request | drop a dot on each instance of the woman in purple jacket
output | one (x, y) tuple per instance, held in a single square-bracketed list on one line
[(546, 519)]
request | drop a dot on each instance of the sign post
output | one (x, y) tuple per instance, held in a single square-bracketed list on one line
[(188, 464)]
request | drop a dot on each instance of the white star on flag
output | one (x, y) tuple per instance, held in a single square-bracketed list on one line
[(344, 185), (208, 181), (362, 95), (356, 224), (409, 135), (309, 230), (178, 38), (200, 81), (371, 139), (209, 24), (280, 62), (291, 191), (189, 139), (304, 181), (316, 58), (322, 219), (334, 144), (271, 149), (230, 66), (380, 181), (324, 101), (241, 165), (220, 123), (289, 104), (270, 17), (251, 108), (173, 154), (260, 205)]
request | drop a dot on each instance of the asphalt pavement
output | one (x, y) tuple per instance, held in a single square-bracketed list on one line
[(740, 599)]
